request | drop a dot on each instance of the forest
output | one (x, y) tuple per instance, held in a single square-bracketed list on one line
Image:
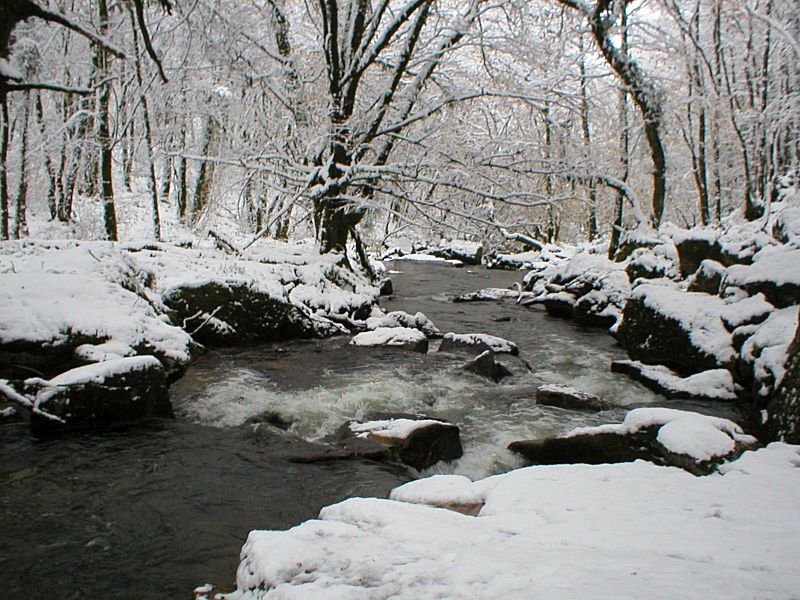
[(409, 299), (551, 120)]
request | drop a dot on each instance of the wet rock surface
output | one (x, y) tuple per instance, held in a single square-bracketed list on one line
[(485, 365), (562, 396), (414, 440)]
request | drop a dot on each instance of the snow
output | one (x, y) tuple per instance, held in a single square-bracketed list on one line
[(51, 295), (632, 530), (768, 347), (780, 266), (439, 490), (427, 258), (388, 336), (695, 435), (698, 314), (746, 311), (8, 71), (99, 372), (93, 373), (715, 384), (399, 318), (494, 343), (111, 295), (390, 428)]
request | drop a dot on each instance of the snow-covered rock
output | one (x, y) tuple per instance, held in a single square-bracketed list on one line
[(716, 384), (477, 342), (611, 531), (97, 395), (403, 338), (783, 412), (398, 318), (765, 351), (68, 303), (682, 330), (563, 396), (464, 251), (694, 442), (774, 273), (415, 441)]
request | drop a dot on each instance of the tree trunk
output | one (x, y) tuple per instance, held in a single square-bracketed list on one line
[(624, 148), (21, 201), (148, 136), (587, 144), (101, 59), (5, 124)]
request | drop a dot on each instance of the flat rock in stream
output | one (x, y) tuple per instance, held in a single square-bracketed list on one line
[(477, 343), (402, 338), (399, 318), (562, 396)]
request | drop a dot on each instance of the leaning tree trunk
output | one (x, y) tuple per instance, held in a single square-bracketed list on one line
[(645, 94)]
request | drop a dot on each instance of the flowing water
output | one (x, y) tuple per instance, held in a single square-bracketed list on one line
[(152, 511)]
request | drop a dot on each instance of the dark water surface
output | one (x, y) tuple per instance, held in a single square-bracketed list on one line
[(153, 511)]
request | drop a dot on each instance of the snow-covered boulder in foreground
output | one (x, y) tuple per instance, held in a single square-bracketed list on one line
[(716, 384), (613, 531), (694, 442), (415, 441), (477, 342), (403, 338)]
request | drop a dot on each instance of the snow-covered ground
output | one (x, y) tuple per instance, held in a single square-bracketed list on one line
[(631, 530)]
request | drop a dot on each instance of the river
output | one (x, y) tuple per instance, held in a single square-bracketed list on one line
[(152, 511)]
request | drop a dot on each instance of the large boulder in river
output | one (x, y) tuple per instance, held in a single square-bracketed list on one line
[(401, 338), (220, 312), (562, 396), (694, 442), (99, 395), (415, 441), (682, 330), (477, 343)]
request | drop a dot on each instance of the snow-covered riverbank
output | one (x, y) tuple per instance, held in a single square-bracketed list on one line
[(631, 530)]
